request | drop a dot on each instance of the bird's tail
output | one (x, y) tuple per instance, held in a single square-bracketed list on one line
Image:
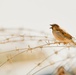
[(74, 43)]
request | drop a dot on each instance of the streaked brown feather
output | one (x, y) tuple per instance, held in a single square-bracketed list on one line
[(67, 35)]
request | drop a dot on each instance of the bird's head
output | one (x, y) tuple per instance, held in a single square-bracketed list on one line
[(54, 26)]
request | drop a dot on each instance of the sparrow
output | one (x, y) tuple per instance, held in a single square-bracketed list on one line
[(61, 35)]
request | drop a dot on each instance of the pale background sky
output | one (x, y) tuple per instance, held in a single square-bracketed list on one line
[(38, 14)]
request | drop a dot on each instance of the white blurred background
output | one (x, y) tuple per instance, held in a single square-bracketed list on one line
[(38, 15)]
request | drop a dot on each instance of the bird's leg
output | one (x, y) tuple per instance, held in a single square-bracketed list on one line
[(59, 43), (65, 43)]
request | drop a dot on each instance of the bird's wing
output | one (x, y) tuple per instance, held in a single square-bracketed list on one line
[(67, 35), (59, 34)]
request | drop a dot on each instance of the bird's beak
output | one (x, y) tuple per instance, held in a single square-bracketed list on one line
[(51, 26)]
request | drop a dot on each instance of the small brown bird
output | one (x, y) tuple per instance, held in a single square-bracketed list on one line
[(61, 35)]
